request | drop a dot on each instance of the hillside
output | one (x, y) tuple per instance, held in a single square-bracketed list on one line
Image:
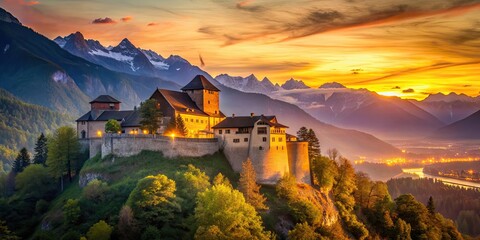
[(30, 62), (467, 128), (21, 123), (122, 173)]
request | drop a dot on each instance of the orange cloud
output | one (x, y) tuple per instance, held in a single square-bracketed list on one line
[(126, 18), (28, 3), (152, 24)]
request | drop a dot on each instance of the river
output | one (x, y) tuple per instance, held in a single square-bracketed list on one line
[(447, 181)]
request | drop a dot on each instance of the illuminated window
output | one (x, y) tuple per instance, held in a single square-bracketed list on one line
[(280, 139), (196, 120), (273, 139)]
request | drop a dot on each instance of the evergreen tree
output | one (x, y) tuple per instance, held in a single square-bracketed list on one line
[(313, 144), (302, 134), (150, 116), (431, 205), (181, 128), (22, 161), (63, 152), (41, 150), (249, 188), (220, 179), (172, 126)]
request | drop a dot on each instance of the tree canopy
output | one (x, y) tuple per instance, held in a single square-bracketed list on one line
[(248, 186), (22, 161), (223, 213), (112, 126), (41, 150), (150, 116)]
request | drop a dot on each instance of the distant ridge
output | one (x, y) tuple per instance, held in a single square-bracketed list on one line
[(468, 128)]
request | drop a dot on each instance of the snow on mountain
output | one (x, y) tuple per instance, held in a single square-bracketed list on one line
[(294, 84), (60, 41), (247, 84)]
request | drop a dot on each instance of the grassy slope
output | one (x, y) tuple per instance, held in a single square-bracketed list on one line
[(122, 174)]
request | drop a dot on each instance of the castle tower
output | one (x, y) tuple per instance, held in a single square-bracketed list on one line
[(204, 94)]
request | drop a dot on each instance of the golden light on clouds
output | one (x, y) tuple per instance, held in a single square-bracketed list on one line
[(402, 48)]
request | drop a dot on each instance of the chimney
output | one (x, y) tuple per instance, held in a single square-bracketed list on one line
[(252, 114), (233, 115)]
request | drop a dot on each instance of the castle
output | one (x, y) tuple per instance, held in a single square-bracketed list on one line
[(262, 139)]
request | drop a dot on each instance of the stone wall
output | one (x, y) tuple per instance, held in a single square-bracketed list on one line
[(299, 162), (127, 145)]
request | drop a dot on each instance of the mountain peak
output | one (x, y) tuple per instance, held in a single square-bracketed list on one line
[(294, 84), (8, 17), (332, 85), (451, 97), (125, 44)]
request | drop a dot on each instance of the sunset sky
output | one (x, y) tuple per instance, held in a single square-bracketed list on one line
[(407, 48)]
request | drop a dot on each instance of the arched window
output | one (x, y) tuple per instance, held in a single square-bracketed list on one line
[(83, 133)]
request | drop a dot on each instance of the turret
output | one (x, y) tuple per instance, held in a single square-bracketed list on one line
[(204, 94), (105, 102)]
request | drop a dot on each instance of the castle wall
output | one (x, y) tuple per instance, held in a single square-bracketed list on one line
[(127, 145), (298, 161), (236, 152), (271, 160)]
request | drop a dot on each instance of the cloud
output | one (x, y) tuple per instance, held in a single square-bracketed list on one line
[(409, 90), (106, 20), (28, 3), (152, 24), (467, 85), (396, 87), (246, 5), (126, 18)]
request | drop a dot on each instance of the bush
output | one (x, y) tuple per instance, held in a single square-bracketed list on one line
[(95, 191), (151, 233), (99, 231), (41, 206), (71, 235), (71, 211)]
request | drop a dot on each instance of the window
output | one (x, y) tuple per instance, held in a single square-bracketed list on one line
[(208, 101), (245, 139), (227, 131), (260, 148), (201, 121), (262, 130), (282, 147), (186, 119), (112, 106), (84, 134), (196, 120), (83, 122), (273, 139), (236, 140), (277, 147), (264, 139), (191, 119), (220, 131), (216, 112), (280, 139)]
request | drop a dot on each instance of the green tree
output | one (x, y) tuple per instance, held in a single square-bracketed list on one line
[(413, 213), (248, 186), (71, 211), (171, 126), (324, 172), (35, 182), (100, 231), (5, 233), (153, 200), (313, 144), (287, 187), (95, 190), (150, 116), (220, 179), (303, 231), (190, 183), (112, 126), (41, 150), (302, 134), (22, 161), (181, 128), (63, 153), (431, 205), (223, 213), (402, 230)]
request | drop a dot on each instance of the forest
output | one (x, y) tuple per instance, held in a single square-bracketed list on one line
[(59, 194), (20, 125), (460, 204)]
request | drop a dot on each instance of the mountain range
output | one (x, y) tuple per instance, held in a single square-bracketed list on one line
[(38, 70), (467, 128)]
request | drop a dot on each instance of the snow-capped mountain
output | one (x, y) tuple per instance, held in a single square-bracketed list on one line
[(247, 84), (127, 58), (451, 97), (294, 84)]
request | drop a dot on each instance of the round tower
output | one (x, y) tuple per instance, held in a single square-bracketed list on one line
[(298, 161)]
